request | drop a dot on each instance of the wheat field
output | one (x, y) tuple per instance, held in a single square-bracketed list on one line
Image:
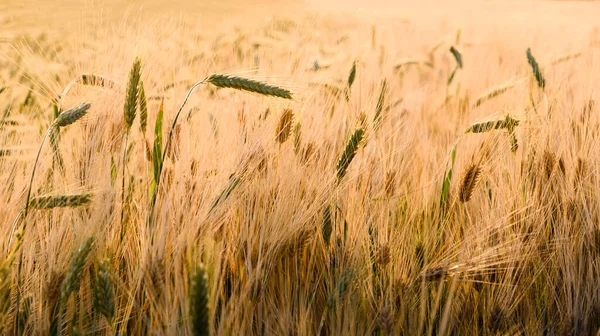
[(299, 168)]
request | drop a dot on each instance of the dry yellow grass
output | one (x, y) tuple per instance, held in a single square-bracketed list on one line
[(358, 226)]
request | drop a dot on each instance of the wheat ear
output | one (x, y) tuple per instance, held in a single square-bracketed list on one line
[(349, 153), (245, 84)]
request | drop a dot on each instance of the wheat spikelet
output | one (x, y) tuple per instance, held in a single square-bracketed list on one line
[(96, 80), (434, 273), (297, 137), (566, 58), (514, 144), (245, 84), (507, 123), (327, 226), (349, 152), (493, 93), (284, 127), (25, 313), (341, 288), (407, 62), (71, 115), (131, 98), (60, 201), (199, 309), (581, 172), (352, 75), (143, 107), (549, 162), (390, 183), (537, 72), (104, 299), (75, 271), (379, 108), (469, 182), (457, 56)]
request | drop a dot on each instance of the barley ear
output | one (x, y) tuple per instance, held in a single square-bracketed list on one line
[(349, 153), (143, 107), (297, 137), (284, 126), (199, 309), (380, 103), (469, 182)]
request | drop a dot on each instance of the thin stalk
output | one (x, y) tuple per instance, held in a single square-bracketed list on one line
[(123, 225), (166, 149), (25, 212)]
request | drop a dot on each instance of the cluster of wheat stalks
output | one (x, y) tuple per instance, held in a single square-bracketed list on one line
[(236, 206)]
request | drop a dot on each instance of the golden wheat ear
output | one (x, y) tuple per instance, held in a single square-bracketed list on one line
[(284, 126), (469, 182), (245, 84)]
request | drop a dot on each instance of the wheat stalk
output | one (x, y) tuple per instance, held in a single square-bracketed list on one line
[(245, 84)]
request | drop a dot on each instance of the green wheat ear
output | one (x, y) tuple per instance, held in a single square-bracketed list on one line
[(60, 201), (535, 68), (131, 98), (104, 298), (245, 84), (75, 271), (349, 153)]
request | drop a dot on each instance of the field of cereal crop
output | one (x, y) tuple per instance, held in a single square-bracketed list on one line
[(299, 167)]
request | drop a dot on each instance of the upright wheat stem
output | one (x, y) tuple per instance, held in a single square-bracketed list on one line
[(164, 154)]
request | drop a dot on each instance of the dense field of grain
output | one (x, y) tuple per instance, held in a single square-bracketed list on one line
[(299, 168)]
